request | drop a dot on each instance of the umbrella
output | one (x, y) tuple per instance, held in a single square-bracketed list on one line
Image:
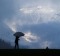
[(19, 34)]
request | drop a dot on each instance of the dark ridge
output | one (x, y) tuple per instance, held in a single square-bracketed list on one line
[(5, 45)]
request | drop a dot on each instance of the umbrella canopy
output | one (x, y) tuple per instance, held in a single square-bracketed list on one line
[(19, 34)]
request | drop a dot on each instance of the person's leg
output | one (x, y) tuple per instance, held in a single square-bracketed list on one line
[(18, 46), (15, 45)]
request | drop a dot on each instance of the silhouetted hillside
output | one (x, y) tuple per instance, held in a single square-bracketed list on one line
[(5, 45)]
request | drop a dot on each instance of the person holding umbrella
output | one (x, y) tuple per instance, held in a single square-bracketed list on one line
[(16, 42), (17, 35)]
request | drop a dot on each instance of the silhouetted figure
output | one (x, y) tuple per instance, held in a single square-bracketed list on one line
[(16, 42), (17, 35)]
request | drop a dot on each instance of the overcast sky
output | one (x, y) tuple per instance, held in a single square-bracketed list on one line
[(38, 19)]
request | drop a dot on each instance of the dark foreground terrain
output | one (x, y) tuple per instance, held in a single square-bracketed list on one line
[(5, 45), (7, 49), (21, 52)]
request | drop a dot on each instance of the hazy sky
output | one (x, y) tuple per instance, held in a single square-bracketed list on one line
[(38, 19)]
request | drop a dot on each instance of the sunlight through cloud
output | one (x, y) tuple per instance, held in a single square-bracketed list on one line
[(11, 25), (29, 37)]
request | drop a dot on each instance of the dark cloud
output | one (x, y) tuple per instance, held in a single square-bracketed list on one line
[(7, 12), (8, 8), (10, 13), (49, 32)]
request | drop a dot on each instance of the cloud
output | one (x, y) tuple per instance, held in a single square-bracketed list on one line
[(39, 14), (38, 9), (46, 44), (35, 42), (7, 9), (38, 19), (29, 37), (47, 35)]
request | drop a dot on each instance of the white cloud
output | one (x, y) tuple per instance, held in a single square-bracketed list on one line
[(37, 9), (39, 14), (26, 10), (29, 37), (11, 24)]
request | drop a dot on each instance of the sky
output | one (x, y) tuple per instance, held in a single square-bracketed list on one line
[(39, 20)]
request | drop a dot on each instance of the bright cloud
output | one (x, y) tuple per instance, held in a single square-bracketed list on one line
[(38, 9), (39, 14), (11, 25), (29, 37), (26, 10)]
